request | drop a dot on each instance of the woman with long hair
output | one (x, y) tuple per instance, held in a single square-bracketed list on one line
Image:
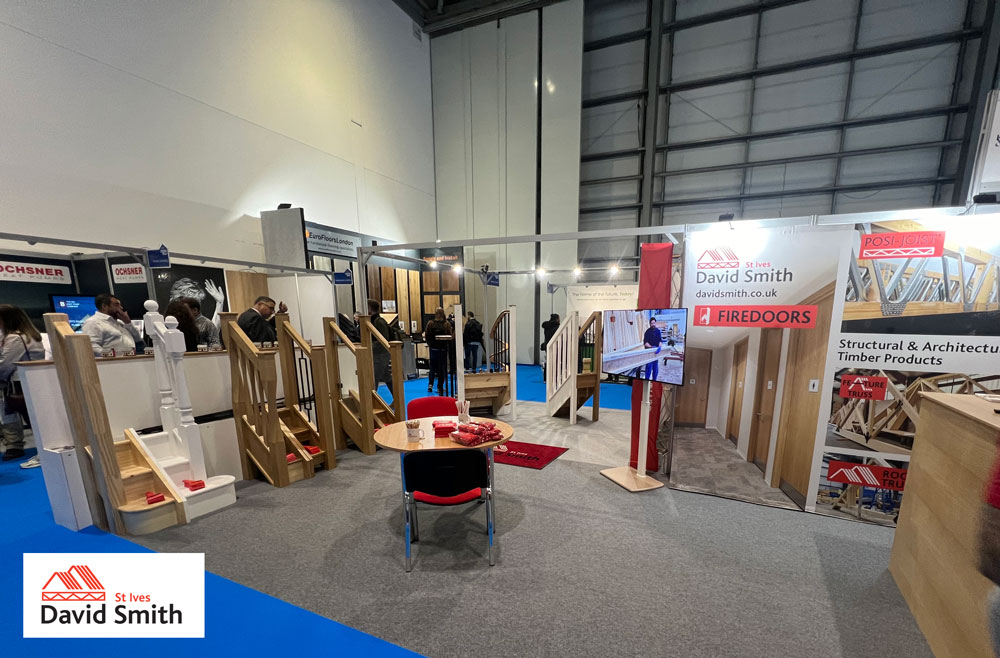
[(185, 323), (19, 341)]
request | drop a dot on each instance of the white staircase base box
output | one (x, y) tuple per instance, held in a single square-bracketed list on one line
[(167, 454)]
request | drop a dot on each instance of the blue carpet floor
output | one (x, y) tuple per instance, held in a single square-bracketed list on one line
[(530, 388), (230, 608)]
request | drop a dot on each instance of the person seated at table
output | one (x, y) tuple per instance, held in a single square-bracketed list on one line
[(110, 329), (185, 323), (208, 333)]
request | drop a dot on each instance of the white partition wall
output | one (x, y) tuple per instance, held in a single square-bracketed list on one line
[(487, 84)]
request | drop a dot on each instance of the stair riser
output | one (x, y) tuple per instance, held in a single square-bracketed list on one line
[(205, 501)]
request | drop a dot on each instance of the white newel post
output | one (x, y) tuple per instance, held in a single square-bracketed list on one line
[(153, 326), (512, 358), (459, 355), (574, 347)]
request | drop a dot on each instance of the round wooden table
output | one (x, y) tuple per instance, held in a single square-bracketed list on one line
[(393, 437)]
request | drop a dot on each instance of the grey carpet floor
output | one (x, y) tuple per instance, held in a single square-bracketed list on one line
[(583, 568), (706, 462)]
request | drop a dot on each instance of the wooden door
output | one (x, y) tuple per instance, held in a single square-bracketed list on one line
[(736, 388), (767, 386), (692, 398), (800, 406)]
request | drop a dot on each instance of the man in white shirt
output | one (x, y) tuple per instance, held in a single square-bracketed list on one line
[(110, 329)]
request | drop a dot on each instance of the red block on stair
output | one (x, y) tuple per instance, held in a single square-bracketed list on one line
[(312, 450), (290, 457), (153, 497), (194, 485)]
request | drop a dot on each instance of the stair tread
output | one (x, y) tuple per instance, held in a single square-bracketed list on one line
[(172, 461), (133, 471), (140, 505)]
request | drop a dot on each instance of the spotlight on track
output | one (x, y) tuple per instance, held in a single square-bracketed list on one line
[(540, 271), (614, 270), (434, 264), (577, 271), (456, 268)]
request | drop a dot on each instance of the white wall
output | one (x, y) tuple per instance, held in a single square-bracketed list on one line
[(485, 81), (141, 122)]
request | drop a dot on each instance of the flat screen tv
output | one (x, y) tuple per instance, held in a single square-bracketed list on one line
[(646, 344), (77, 307)]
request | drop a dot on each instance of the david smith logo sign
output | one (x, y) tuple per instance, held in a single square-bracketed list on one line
[(867, 475), (114, 595), (719, 258)]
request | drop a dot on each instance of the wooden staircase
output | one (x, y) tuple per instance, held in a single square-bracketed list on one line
[(358, 414), (265, 446), (497, 388), (307, 392), (573, 367)]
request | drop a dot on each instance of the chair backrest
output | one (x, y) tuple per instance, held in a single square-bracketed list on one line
[(445, 472), (431, 406)]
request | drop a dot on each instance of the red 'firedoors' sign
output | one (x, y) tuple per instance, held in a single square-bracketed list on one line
[(879, 477), (793, 317), (863, 387), (902, 244)]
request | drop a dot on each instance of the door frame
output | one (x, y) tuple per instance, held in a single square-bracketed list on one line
[(759, 394), (733, 386)]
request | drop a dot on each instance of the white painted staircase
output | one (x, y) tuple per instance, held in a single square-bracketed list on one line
[(176, 452)]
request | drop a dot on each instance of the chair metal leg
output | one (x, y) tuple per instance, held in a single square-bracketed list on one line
[(406, 512), (416, 521), (489, 521)]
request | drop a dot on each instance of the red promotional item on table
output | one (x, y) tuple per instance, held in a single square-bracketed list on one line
[(194, 485), (444, 428), (153, 497)]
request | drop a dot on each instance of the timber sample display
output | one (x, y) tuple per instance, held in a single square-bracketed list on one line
[(890, 425), (934, 551), (956, 293)]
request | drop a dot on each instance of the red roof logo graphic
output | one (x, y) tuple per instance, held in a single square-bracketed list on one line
[(857, 475), (720, 258), (78, 583)]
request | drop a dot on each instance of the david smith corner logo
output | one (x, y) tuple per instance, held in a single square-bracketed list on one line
[(719, 258), (78, 583), (114, 595)]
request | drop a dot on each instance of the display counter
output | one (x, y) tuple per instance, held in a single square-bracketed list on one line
[(934, 553)]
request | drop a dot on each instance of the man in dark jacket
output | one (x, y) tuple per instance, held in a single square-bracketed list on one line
[(472, 336), (549, 328), (652, 338), (257, 322), (380, 356)]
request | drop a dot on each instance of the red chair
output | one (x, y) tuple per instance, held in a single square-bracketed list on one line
[(445, 478), (431, 406)]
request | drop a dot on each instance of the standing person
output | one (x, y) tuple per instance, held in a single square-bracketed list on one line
[(989, 550), (380, 356), (438, 348), (472, 337), (652, 338), (185, 323), (208, 333), (110, 329), (549, 328), (257, 322), (20, 341)]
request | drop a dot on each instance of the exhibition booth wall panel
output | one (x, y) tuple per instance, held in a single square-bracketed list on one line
[(331, 109)]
